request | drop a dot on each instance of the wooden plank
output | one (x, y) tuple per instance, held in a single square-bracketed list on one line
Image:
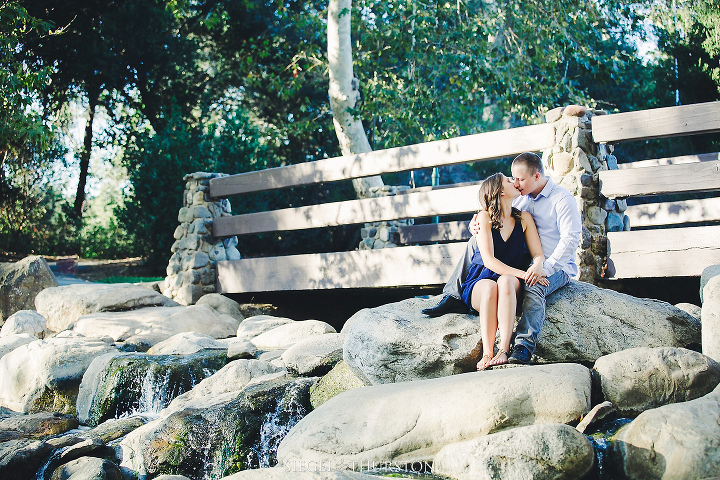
[(674, 213), (481, 146), (389, 267), (687, 177), (434, 232), (421, 204), (656, 162), (669, 252), (657, 123)]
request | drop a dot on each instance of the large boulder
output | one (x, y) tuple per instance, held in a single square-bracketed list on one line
[(25, 321), (151, 325), (538, 452), (396, 343), (127, 383), (679, 441), (411, 421), (711, 313), (195, 440), (20, 283), (45, 375), (62, 306), (584, 322), (642, 378)]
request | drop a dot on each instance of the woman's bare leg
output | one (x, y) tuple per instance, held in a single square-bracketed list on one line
[(508, 287), (484, 299)]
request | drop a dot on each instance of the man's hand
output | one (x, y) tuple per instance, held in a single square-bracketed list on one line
[(535, 275)]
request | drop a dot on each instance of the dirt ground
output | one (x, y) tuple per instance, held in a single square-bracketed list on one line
[(91, 269)]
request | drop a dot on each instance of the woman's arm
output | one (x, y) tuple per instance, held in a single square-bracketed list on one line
[(535, 273), (487, 251)]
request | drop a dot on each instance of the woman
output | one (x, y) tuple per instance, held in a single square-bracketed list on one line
[(504, 236)]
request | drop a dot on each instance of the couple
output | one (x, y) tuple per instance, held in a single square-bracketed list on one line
[(526, 213)]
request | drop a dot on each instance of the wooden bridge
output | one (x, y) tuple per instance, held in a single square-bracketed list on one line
[(674, 250)]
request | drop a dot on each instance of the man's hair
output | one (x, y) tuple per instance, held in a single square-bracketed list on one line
[(532, 162)]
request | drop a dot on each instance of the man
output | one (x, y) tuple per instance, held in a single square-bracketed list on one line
[(558, 223)]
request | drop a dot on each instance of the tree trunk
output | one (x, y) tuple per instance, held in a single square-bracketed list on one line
[(93, 98), (344, 91)]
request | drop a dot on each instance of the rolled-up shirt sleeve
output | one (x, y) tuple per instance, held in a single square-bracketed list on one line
[(569, 226)]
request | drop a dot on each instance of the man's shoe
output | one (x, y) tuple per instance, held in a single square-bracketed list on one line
[(520, 355), (448, 304)]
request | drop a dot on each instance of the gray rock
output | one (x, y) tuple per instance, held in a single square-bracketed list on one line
[(152, 325), (397, 343), (45, 375), (36, 425), (258, 324), (62, 306), (411, 421), (705, 276), (239, 348), (711, 318), (642, 378), (289, 334), (679, 441), (222, 304), (336, 381), (298, 472), (693, 310), (128, 383), (584, 322), (552, 452), (186, 343), (599, 412), (20, 282), (25, 321), (11, 342), (222, 386), (256, 419), (88, 468), (315, 355)]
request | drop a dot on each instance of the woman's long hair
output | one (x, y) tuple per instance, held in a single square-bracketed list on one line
[(489, 196)]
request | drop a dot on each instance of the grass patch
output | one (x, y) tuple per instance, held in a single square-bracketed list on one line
[(130, 279)]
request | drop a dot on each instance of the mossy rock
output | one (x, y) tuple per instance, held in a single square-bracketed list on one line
[(335, 382), (137, 382), (238, 435)]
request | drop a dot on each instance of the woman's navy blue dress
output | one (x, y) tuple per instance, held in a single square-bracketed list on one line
[(512, 252)]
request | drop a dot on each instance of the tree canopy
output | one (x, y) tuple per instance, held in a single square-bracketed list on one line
[(237, 86)]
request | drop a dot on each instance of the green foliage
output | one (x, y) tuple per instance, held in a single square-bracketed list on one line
[(156, 163)]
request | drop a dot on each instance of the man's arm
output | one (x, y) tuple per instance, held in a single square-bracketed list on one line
[(570, 228)]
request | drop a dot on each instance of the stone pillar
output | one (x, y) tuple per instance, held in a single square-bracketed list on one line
[(574, 162), (192, 270), (377, 235)]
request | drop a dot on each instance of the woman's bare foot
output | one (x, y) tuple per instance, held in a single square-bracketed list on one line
[(484, 362), (500, 359)]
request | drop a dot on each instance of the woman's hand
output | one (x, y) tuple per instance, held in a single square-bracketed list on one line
[(535, 274), (474, 226)]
